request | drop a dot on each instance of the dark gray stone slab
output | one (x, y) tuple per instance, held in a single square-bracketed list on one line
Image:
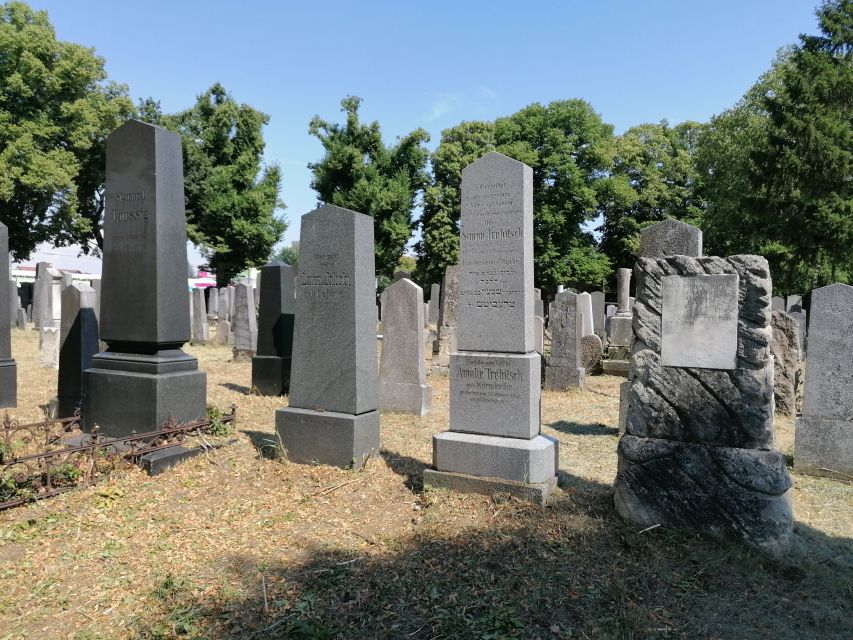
[(78, 344), (327, 437), (824, 433), (670, 237), (157, 462), (786, 362), (402, 370), (144, 282), (739, 494), (276, 314), (700, 321), (495, 394), (270, 374), (334, 353), (496, 256), (8, 368)]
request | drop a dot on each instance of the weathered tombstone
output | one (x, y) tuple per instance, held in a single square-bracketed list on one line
[(610, 311), (244, 323), (539, 335), (231, 302), (96, 285), (143, 377), (277, 308), (620, 323), (538, 304), (670, 237), (224, 304), (786, 361), (565, 369), (400, 274), (223, 332), (41, 293), (332, 416), (49, 347), (598, 312), (778, 303), (585, 305), (800, 316), (434, 298), (824, 432), (21, 320), (29, 313), (8, 368), (402, 370), (592, 351), (697, 451), (200, 328), (14, 301), (447, 318), (213, 302), (78, 342), (792, 301), (494, 442)]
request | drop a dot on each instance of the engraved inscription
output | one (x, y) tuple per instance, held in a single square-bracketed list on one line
[(129, 209), (322, 280), (699, 321), (491, 382)]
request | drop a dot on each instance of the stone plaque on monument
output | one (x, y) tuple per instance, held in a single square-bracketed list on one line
[(699, 321), (496, 256)]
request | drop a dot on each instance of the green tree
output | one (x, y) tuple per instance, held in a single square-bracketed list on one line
[(288, 255), (653, 177), (231, 199), (56, 110), (361, 173)]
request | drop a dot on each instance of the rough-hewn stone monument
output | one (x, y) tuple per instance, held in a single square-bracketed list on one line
[(786, 361)]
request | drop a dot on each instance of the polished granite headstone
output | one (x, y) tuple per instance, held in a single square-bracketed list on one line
[(8, 368), (276, 312), (78, 343), (143, 377), (333, 416)]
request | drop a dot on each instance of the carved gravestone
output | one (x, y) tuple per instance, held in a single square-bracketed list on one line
[(697, 452), (824, 432), (332, 416), (786, 362), (200, 328), (592, 351), (564, 369), (585, 308), (494, 442), (213, 302), (244, 323), (598, 312), (434, 298), (78, 343), (41, 294), (402, 370), (143, 377), (276, 313), (620, 323), (8, 368), (447, 318), (670, 237)]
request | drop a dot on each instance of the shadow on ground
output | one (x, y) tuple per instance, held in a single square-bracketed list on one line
[(573, 570), (578, 429), (410, 468), (239, 388), (267, 444)]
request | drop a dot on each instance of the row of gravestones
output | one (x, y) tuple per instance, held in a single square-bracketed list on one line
[(697, 445)]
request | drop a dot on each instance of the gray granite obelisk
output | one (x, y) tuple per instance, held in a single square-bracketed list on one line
[(78, 343), (144, 376), (276, 312), (494, 442), (332, 417), (8, 368)]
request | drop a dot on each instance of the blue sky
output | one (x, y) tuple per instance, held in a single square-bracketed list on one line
[(433, 64)]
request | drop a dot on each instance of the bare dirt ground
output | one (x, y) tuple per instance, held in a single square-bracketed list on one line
[(237, 545)]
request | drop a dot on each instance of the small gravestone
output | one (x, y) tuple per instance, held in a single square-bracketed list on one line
[(786, 362), (14, 301), (620, 323), (400, 274), (21, 320), (794, 302), (824, 432), (670, 237), (598, 312), (78, 343), (434, 298), (697, 452), (592, 351), (539, 335), (231, 302), (276, 312), (8, 368), (200, 328), (223, 332), (332, 416), (213, 302), (778, 304), (565, 369), (800, 316), (402, 370), (244, 323), (446, 342), (585, 305), (40, 293), (143, 377), (224, 304), (49, 347), (494, 442)]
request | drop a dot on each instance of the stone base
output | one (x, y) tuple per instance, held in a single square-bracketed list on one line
[(8, 383), (823, 446), (620, 331), (535, 493), (564, 378), (328, 437), (157, 462), (405, 398), (125, 393), (616, 367), (531, 461), (740, 494), (271, 375)]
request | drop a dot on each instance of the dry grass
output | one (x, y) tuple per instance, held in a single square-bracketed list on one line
[(237, 545)]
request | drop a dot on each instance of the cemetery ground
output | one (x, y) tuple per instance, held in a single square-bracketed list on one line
[(234, 544)]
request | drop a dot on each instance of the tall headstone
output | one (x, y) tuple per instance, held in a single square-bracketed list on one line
[(14, 301), (620, 324), (494, 442), (786, 361), (213, 302), (8, 368), (244, 323), (447, 318), (277, 309), (598, 312), (78, 343), (824, 432), (697, 452), (670, 237), (564, 369), (224, 303), (200, 327), (332, 417), (143, 377), (402, 370), (434, 298), (538, 304), (21, 319), (41, 292), (585, 304), (232, 301)]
